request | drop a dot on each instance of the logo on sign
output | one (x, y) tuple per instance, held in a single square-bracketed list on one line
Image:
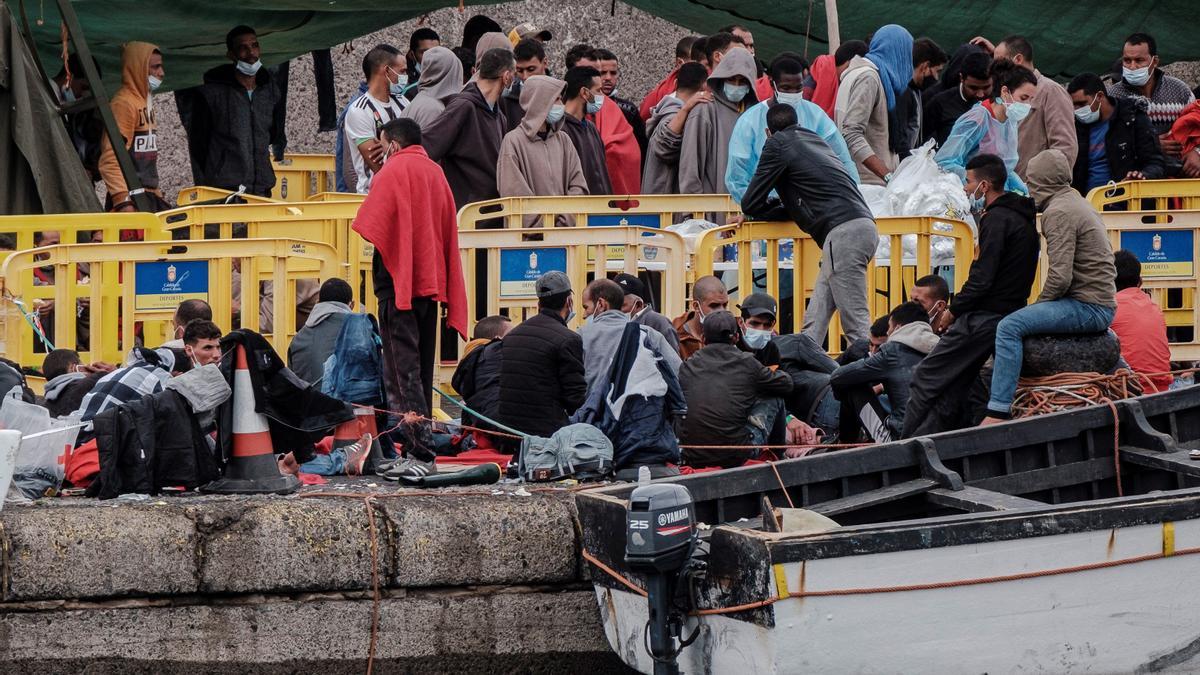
[(1157, 242), (171, 273), (672, 517)]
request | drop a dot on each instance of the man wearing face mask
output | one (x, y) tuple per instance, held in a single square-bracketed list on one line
[(932, 292), (604, 327), (185, 313), (997, 285), (758, 325), (202, 342), (1116, 137), (422, 40), (1164, 96), (133, 109), (581, 96), (466, 138), (708, 296), (928, 61), (622, 153), (637, 306), (535, 159), (384, 101), (232, 133), (541, 370)]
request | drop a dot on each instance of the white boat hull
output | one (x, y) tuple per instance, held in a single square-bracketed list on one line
[(1063, 613)]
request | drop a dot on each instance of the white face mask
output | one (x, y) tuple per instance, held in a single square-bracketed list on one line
[(789, 97), (735, 92), (154, 83), (1136, 76), (249, 69), (756, 338), (594, 105)]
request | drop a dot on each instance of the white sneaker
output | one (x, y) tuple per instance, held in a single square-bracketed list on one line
[(410, 467)]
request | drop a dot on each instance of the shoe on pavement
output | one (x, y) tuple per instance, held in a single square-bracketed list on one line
[(356, 455), (410, 467)]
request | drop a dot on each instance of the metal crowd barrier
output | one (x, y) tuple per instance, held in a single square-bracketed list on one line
[(132, 289), (298, 177), (1143, 195), (601, 210)]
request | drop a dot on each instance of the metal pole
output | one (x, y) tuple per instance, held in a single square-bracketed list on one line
[(831, 22), (662, 646), (136, 192)]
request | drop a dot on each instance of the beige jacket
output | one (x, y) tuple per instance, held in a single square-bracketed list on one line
[(1079, 257), (1050, 124), (862, 116)]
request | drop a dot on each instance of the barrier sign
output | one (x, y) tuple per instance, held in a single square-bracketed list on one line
[(163, 285), (521, 267), (1163, 253), (625, 220)]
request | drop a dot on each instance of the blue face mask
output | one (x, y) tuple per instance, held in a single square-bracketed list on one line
[(594, 105), (736, 92), (756, 338), (1016, 110), (397, 88), (1137, 77), (978, 203), (1086, 115), (556, 114)]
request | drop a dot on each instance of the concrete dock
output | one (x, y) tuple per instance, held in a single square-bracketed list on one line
[(471, 580)]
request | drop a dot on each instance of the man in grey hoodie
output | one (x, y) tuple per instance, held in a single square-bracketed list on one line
[(910, 339), (602, 302), (441, 80), (660, 176), (315, 341)]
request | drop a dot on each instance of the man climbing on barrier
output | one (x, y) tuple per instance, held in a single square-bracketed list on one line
[(1079, 294), (818, 193), (410, 218)]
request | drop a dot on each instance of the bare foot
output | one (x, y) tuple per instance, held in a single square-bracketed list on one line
[(988, 421)]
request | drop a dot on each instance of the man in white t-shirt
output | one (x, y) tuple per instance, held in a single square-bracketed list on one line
[(385, 71)]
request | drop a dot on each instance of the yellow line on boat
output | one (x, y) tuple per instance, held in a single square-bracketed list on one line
[(780, 581), (1168, 539)]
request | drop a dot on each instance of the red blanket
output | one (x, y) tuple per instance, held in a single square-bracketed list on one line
[(409, 216), (824, 73), (622, 154), (664, 88), (1186, 129), (763, 88)]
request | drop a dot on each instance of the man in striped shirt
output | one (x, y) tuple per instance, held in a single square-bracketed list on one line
[(1164, 96)]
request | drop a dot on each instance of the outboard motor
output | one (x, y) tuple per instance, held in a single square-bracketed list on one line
[(659, 539)]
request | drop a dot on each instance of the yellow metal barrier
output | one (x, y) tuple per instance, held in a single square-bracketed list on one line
[(80, 228), (885, 285), (1138, 195), (298, 177), (600, 210), (136, 287), (198, 193)]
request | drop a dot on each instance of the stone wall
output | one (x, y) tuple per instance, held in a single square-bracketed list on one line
[(478, 582)]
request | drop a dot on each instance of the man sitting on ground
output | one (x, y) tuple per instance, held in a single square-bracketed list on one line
[(637, 306), (68, 380), (1078, 294), (933, 293), (909, 340), (202, 342), (1140, 325), (147, 373), (732, 399), (708, 296), (315, 341), (602, 334), (477, 377), (757, 323), (185, 313), (861, 349)]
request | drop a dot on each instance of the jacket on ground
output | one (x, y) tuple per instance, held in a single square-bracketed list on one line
[(862, 117), (441, 80), (314, 342), (1079, 258), (704, 153), (540, 163), (465, 140), (1001, 276), (541, 375), (1129, 145), (892, 366), (133, 110), (232, 131)]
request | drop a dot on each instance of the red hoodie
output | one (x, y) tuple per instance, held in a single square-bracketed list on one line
[(622, 154), (409, 216)]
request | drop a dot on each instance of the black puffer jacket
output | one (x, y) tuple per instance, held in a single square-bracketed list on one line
[(231, 132), (477, 380), (541, 376), (1130, 145)]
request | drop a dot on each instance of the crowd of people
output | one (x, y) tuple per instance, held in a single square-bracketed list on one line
[(433, 129)]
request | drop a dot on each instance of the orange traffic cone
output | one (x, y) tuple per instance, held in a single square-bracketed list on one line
[(252, 468)]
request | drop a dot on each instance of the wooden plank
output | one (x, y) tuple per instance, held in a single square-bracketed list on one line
[(1177, 462), (1075, 473), (883, 495), (976, 500)]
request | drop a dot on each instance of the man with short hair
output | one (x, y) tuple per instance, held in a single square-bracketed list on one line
[(411, 219), (233, 121), (477, 376), (932, 292), (314, 342), (708, 296), (530, 58), (610, 78), (944, 108), (1051, 120), (133, 111), (422, 40), (202, 342), (660, 174), (928, 61), (1078, 295), (622, 153), (541, 374), (68, 380), (603, 301), (817, 192), (750, 132), (384, 101), (717, 45), (1119, 140), (1163, 96), (185, 313), (997, 285), (864, 347), (683, 54), (580, 99), (466, 139), (732, 399), (704, 153), (1140, 326), (637, 305)]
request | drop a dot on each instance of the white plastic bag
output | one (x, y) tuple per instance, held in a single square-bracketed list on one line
[(691, 230), (920, 188), (45, 447)]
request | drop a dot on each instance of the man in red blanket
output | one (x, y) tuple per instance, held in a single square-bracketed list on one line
[(410, 218)]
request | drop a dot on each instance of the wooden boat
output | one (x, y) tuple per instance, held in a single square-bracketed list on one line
[(1062, 543)]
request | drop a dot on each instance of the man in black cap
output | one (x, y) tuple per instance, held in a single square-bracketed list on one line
[(541, 371), (758, 326), (637, 306)]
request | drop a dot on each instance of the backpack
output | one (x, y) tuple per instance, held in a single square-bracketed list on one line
[(578, 450), (354, 371)]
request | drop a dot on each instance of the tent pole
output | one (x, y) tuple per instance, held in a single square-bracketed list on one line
[(831, 22), (136, 192)]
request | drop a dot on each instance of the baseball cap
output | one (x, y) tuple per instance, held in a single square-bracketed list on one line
[(631, 285), (552, 283), (756, 304), (720, 327), (527, 29)]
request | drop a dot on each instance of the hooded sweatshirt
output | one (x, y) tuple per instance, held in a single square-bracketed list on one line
[(705, 150), (1079, 256), (861, 113), (465, 140), (892, 366), (661, 173), (441, 79), (314, 342), (1001, 276), (541, 163), (133, 109)]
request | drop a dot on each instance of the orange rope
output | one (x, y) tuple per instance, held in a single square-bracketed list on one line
[(781, 486)]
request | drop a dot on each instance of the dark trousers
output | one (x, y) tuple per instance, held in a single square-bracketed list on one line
[(408, 354), (861, 408), (942, 383), (326, 104)]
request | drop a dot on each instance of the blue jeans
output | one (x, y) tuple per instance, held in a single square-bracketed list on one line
[(1043, 318), (333, 464)]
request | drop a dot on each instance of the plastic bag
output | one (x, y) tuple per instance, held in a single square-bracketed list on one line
[(691, 230), (920, 188), (45, 446)]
